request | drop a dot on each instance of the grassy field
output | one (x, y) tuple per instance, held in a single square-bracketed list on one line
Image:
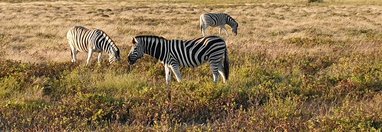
[(294, 67)]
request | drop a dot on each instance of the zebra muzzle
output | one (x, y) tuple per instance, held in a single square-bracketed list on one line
[(131, 62)]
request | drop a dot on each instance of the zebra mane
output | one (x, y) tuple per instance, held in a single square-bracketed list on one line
[(150, 36), (233, 20), (111, 40), (80, 27)]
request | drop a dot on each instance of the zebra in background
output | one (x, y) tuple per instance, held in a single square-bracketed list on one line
[(183, 53), (217, 19), (91, 40)]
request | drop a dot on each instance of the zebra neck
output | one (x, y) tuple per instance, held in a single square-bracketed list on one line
[(156, 48), (231, 22), (109, 49)]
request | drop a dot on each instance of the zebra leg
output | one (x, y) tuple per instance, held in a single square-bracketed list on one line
[(225, 30), (74, 55), (220, 29), (203, 28), (220, 70), (215, 72), (99, 57), (90, 52), (168, 80), (168, 74), (176, 71)]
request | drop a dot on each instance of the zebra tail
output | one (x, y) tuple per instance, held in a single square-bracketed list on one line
[(201, 27), (226, 65)]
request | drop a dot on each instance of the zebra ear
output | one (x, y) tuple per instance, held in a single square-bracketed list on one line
[(134, 41)]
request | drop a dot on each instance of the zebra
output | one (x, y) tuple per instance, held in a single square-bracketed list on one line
[(91, 40), (217, 19), (183, 53)]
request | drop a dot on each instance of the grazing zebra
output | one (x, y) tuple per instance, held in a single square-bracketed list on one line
[(183, 53), (91, 40), (217, 19)]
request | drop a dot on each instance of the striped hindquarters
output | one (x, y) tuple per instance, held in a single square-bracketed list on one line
[(195, 52), (79, 37)]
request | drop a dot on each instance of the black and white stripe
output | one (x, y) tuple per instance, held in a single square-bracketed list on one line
[(183, 53), (217, 19), (91, 40)]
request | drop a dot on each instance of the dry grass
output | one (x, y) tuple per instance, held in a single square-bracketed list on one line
[(295, 66), (35, 32)]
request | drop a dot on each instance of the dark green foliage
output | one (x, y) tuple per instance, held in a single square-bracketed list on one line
[(263, 94)]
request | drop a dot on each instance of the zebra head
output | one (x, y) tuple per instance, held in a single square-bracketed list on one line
[(114, 55), (232, 22), (234, 28), (136, 52)]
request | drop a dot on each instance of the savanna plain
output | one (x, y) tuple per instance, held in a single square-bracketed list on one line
[(294, 66)]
